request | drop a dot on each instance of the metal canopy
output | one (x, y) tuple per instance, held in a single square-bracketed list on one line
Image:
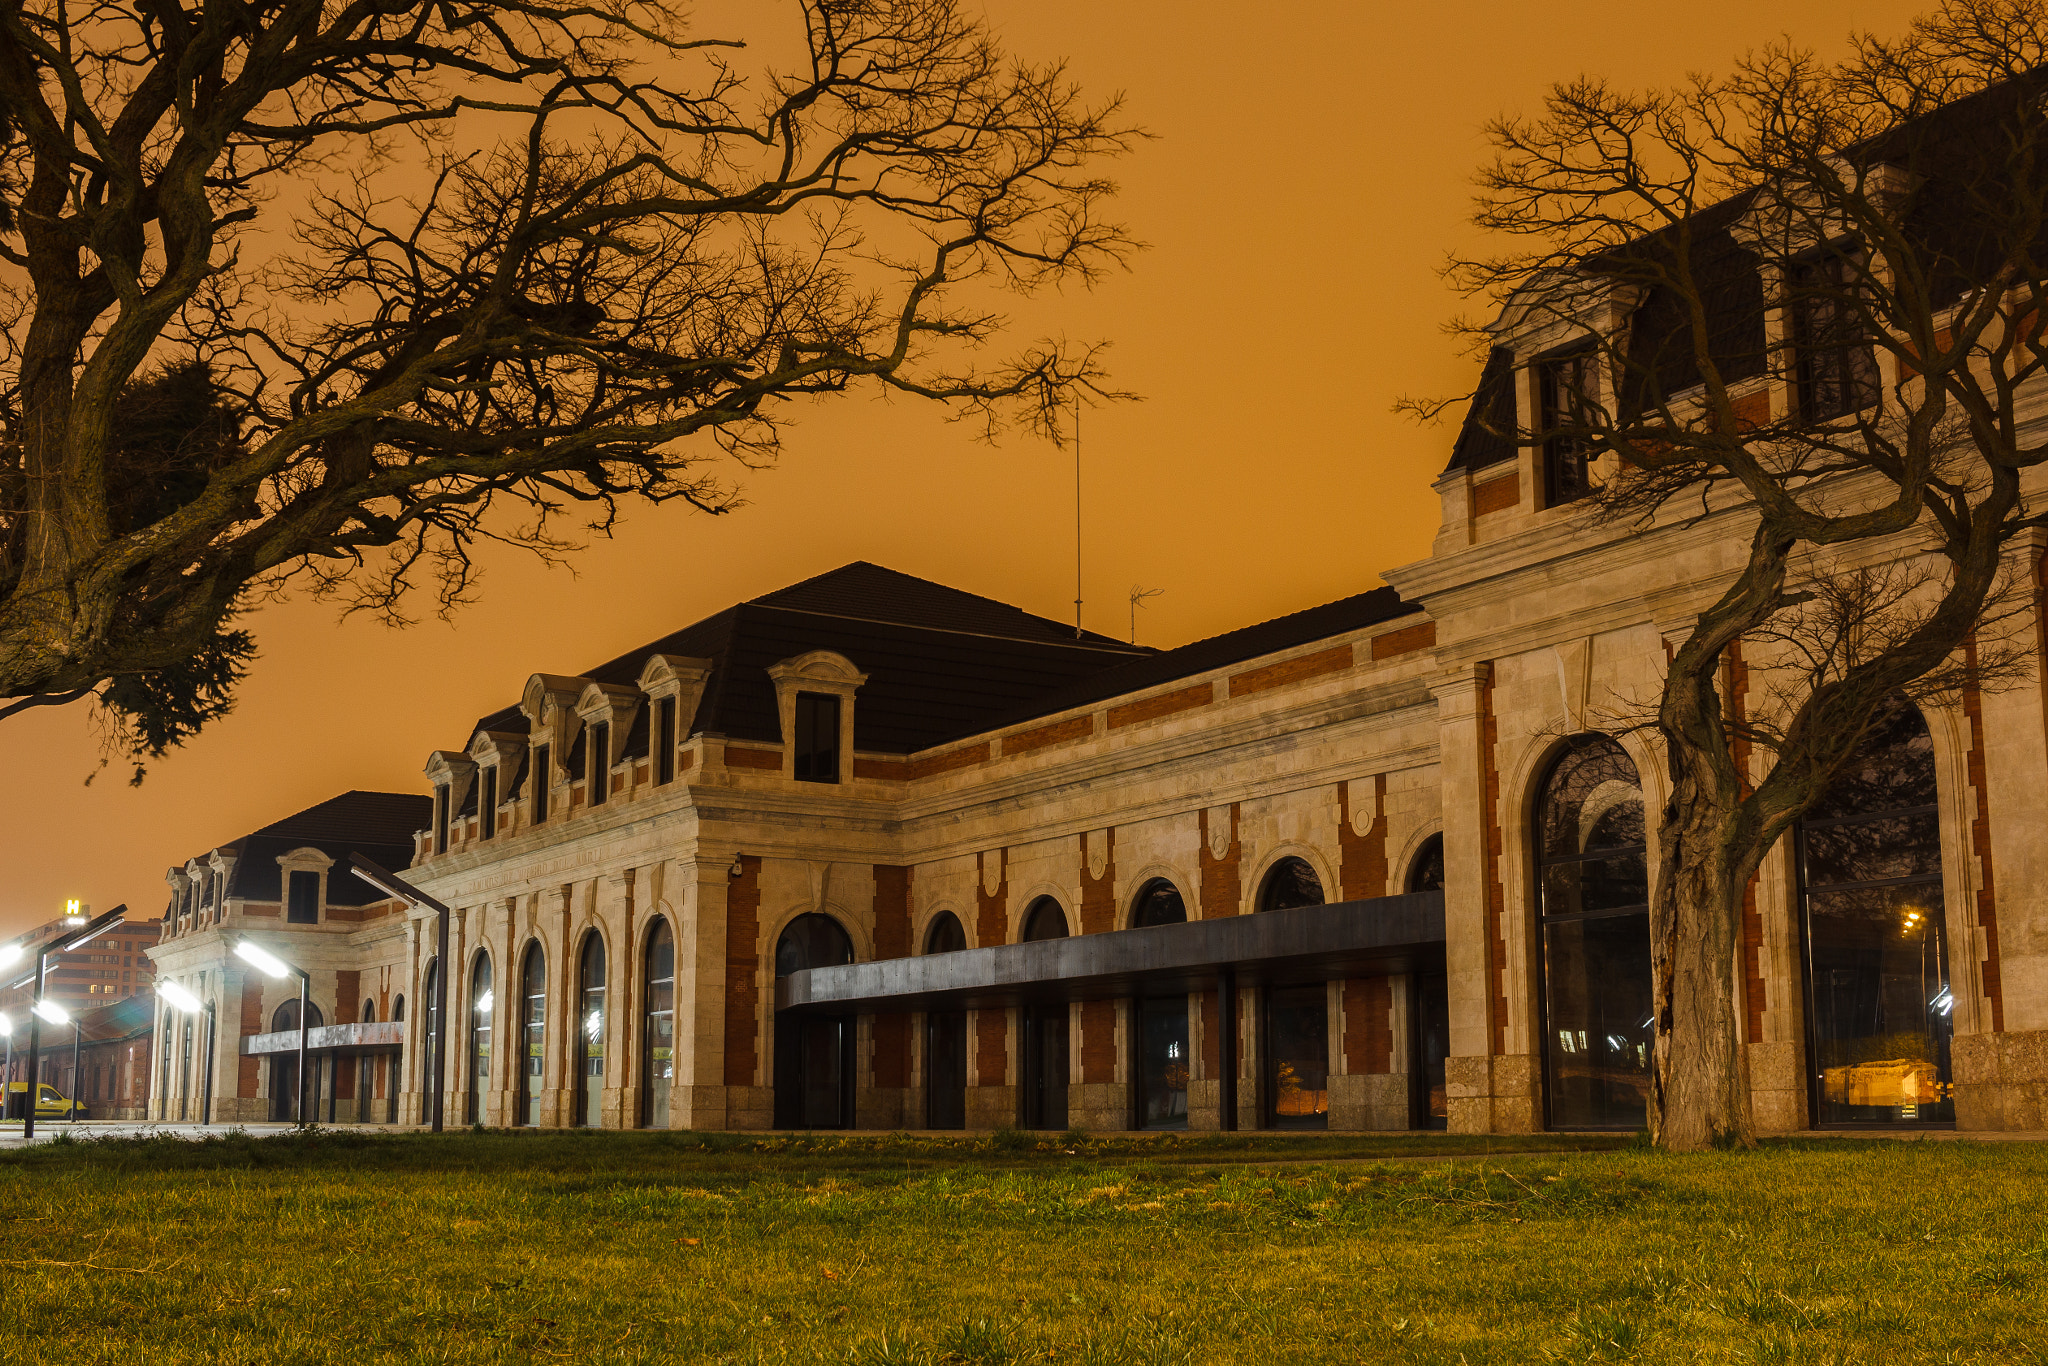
[(1310, 944), (385, 1036)]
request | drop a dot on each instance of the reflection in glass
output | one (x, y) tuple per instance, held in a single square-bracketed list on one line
[(480, 1004), (1879, 1004), (533, 982), (1162, 1062), (1593, 884), (1158, 903), (590, 1034), (813, 1053), (1043, 1102), (945, 1039), (1290, 883), (1426, 873), (659, 1028), (1297, 1072)]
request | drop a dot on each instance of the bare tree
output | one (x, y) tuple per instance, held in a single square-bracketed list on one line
[(328, 294), (1806, 298)]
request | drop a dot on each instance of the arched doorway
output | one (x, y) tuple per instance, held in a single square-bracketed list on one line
[(1161, 1027), (945, 1039), (1879, 1009), (369, 1073), (1432, 1001), (1294, 1034), (813, 1053), (590, 1032), (1043, 1064), (284, 1067), (533, 1018), (1593, 892), (481, 1003), (658, 1027)]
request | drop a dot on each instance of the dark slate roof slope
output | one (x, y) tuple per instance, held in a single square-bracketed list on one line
[(870, 592), (379, 824), (1232, 647)]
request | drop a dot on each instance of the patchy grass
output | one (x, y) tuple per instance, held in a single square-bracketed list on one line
[(901, 1250)]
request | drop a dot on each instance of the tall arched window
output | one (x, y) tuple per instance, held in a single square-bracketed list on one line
[(284, 1067), (813, 1053), (369, 1015), (481, 1003), (163, 1072), (369, 1073), (590, 1030), (658, 1027), (1044, 919), (533, 1005), (1593, 893), (1290, 883), (1426, 871), (1158, 903), (398, 1007), (1877, 983), (185, 1081), (945, 1038)]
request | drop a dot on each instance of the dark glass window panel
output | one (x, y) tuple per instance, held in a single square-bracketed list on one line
[(1433, 1041), (1291, 883), (1297, 1057), (287, 1016), (665, 740), (817, 738), (1591, 801), (1882, 1012), (441, 818), (1893, 770), (533, 984), (541, 774), (1159, 903), (1043, 1104), (813, 1066), (659, 1043), (600, 746), (1163, 1062), (302, 899), (945, 1069), (398, 1007), (481, 1004), (590, 1028), (1044, 920), (1563, 384), (1426, 874), (811, 941), (1900, 845), (1621, 882), (1597, 1013), (1837, 368), (945, 934), (369, 1015), (487, 808)]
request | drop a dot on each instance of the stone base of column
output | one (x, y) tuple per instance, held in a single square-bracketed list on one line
[(2001, 1080), (1777, 1087), (749, 1107), (991, 1107), (1494, 1095), (1369, 1101), (883, 1107), (1099, 1107)]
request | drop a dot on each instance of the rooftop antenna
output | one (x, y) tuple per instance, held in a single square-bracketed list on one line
[(1077, 516), (1138, 597)]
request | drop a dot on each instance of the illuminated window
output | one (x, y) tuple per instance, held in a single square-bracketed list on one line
[(481, 1004), (590, 1028), (658, 1027), (533, 983)]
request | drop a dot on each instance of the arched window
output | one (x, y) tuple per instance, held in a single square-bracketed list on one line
[(658, 1028), (1158, 903), (1426, 872), (533, 1003), (813, 1053), (163, 1072), (369, 1012), (185, 1082), (398, 1008), (1593, 893), (945, 1038), (1290, 883), (590, 1029), (1044, 920), (945, 934), (1877, 981), (284, 1067), (286, 1016), (481, 1002)]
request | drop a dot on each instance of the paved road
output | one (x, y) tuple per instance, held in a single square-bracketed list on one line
[(10, 1133)]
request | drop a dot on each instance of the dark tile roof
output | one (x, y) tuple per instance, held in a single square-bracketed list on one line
[(379, 824), (1232, 647), (938, 661), (1487, 435)]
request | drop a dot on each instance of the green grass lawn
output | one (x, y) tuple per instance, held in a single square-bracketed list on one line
[(357, 1249)]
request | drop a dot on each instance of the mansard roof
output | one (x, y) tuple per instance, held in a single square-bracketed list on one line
[(379, 824), (940, 662)]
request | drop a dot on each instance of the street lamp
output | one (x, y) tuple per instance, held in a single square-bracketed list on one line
[(394, 886), (192, 1005), (49, 1010), (7, 1074), (273, 966)]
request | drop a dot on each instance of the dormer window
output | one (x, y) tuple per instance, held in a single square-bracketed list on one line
[(441, 818), (1563, 387), (817, 738), (600, 756), (664, 740), (487, 806), (302, 898), (538, 778), (1836, 368)]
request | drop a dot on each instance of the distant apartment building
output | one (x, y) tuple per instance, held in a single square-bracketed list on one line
[(108, 969)]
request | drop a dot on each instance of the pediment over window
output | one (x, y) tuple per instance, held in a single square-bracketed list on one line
[(614, 703), (682, 677), (500, 747), (453, 770), (549, 703)]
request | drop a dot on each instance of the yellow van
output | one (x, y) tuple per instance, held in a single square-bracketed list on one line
[(50, 1103)]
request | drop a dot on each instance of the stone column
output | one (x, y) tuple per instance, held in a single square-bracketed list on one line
[(700, 1097)]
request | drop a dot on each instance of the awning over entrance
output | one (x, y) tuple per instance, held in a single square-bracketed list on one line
[(385, 1036), (1387, 934)]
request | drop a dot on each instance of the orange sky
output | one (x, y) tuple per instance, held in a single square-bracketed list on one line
[(1311, 167)]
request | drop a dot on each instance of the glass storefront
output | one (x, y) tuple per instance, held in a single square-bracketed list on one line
[(1161, 1027), (1297, 1064), (1879, 1009)]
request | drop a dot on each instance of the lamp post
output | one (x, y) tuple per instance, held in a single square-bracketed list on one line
[(192, 1005), (50, 1010), (7, 1073), (394, 886), (273, 966)]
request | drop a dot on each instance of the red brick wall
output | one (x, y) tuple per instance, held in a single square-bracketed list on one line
[(966, 757), (1496, 495), (1405, 641), (992, 926), (348, 1001), (1098, 915), (1165, 704), (742, 973), (1980, 841), (1291, 671), (752, 758), (892, 940), (246, 1075), (1362, 872), (1059, 732), (1368, 1004), (1221, 887)]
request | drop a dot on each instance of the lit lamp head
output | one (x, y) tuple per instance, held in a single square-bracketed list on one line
[(179, 997), (6, 1026), (262, 961), (10, 954), (51, 1011)]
